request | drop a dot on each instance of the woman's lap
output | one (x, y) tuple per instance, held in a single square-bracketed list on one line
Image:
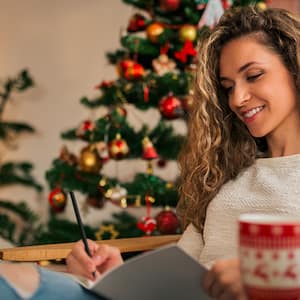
[(53, 286)]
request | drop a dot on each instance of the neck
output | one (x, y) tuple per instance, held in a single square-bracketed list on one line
[(286, 145)]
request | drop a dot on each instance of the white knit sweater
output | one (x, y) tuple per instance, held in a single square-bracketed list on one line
[(271, 185)]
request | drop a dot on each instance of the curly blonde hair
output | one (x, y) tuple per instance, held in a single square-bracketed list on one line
[(218, 145)]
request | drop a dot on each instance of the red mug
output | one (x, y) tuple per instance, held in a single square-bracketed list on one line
[(269, 248)]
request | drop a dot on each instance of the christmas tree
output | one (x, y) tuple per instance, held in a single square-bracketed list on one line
[(17, 221), (155, 67)]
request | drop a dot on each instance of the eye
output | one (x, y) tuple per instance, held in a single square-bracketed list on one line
[(227, 89), (254, 77)]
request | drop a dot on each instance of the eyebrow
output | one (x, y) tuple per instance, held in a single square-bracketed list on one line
[(241, 69)]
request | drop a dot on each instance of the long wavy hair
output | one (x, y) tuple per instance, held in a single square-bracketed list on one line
[(218, 145)]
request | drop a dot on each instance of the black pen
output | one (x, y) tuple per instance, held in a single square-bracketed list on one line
[(82, 231)]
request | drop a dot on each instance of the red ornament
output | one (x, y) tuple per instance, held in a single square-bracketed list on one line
[(135, 72), (225, 4), (162, 163), (85, 127), (118, 148), (187, 50), (130, 69), (105, 84), (167, 222), (170, 107), (147, 225), (57, 200), (169, 5), (136, 23), (149, 152)]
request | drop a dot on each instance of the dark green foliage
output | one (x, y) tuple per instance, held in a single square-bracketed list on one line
[(28, 222), (18, 173)]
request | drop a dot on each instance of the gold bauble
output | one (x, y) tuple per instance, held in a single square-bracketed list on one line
[(187, 33), (154, 31), (118, 148), (89, 160), (261, 5)]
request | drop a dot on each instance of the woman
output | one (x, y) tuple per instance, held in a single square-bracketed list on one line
[(243, 144)]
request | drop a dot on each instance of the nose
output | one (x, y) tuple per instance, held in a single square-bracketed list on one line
[(240, 95)]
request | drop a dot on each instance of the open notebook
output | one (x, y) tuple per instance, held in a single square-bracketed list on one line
[(162, 274)]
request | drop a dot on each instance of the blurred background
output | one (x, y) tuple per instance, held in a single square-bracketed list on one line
[(63, 45)]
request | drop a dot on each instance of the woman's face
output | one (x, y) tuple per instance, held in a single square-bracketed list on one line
[(260, 89)]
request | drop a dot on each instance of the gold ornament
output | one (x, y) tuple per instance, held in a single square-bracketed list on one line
[(102, 182), (169, 185), (153, 31), (89, 160), (123, 202), (118, 193), (118, 148), (138, 201), (187, 33), (261, 5), (106, 229)]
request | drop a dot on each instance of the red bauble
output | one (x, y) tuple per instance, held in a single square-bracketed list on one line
[(170, 107), (57, 200), (169, 5), (162, 163), (167, 222), (135, 72), (130, 69), (136, 23)]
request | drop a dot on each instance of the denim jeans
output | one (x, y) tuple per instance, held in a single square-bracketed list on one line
[(53, 286)]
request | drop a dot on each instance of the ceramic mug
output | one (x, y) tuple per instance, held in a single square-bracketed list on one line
[(269, 248)]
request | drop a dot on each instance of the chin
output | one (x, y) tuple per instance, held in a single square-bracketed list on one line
[(257, 134)]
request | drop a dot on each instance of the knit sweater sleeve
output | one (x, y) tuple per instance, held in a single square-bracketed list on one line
[(191, 242)]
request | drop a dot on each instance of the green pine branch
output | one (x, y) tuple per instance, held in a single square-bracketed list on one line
[(18, 173), (8, 226), (8, 128)]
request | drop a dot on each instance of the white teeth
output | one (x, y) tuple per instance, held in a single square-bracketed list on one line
[(252, 112)]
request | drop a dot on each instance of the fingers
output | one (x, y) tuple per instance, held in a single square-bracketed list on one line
[(109, 257), (78, 262), (223, 281), (103, 258)]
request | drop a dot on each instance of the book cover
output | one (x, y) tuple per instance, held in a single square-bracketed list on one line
[(165, 273)]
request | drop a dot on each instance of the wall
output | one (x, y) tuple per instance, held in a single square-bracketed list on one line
[(63, 44), (292, 5)]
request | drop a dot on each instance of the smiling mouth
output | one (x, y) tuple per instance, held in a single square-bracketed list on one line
[(252, 112)]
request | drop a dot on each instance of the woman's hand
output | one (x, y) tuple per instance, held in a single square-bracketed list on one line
[(103, 258), (224, 282)]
